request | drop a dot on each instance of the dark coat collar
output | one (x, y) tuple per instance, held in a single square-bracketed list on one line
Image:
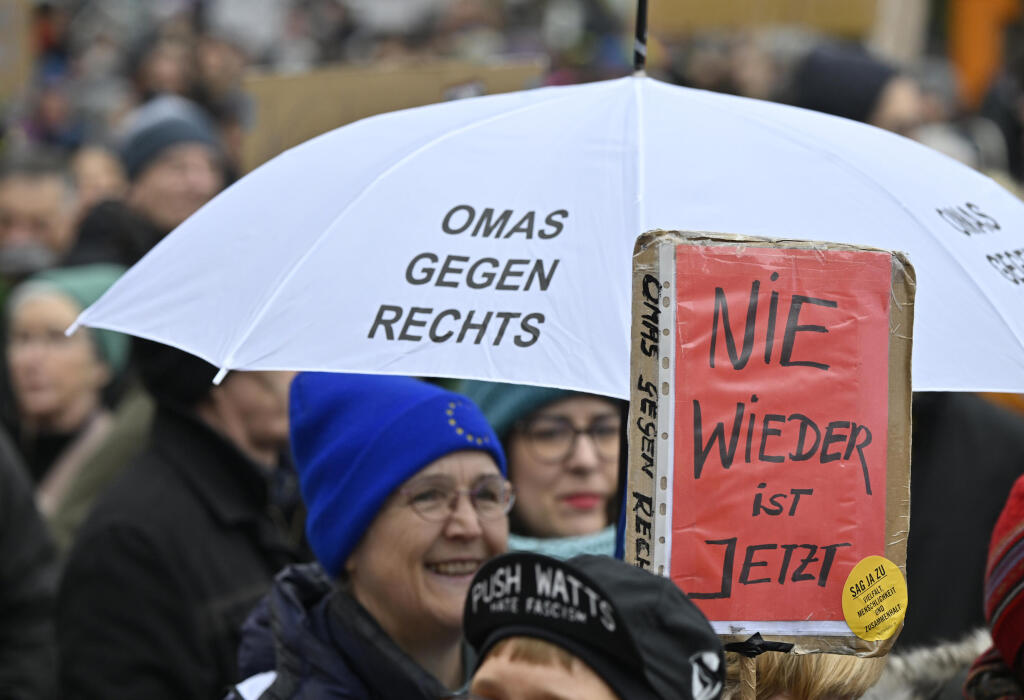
[(327, 642), (234, 487)]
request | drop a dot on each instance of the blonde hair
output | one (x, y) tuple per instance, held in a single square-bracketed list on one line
[(535, 651), (807, 676)]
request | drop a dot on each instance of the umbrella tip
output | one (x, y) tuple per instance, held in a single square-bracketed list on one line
[(221, 373), (70, 331)]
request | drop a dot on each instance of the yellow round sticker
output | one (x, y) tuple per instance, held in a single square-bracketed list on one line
[(875, 598)]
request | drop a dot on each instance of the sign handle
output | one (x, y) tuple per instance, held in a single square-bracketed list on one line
[(748, 678), (748, 652)]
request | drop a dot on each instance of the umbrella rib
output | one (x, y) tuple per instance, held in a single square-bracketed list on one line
[(835, 158), (482, 121)]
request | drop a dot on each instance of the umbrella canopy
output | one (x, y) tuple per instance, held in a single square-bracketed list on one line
[(492, 237)]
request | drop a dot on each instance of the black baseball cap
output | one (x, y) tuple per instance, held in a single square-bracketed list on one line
[(636, 630)]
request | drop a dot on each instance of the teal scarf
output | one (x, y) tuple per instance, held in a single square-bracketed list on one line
[(602, 542)]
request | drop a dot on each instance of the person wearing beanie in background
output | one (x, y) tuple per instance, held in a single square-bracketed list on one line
[(589, 628), (58, 381), (849, 82), (563, 457), (173, 159), (405, 487), (178, 550), (174, 162), (998, 674)]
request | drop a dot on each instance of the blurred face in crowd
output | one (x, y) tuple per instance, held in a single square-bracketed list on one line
[(56, 379), (98, 176), (166, 68), (179, 181), (508, 675), (900, 107), (413, 567), (251, 408), (564, 463), (36, 213)]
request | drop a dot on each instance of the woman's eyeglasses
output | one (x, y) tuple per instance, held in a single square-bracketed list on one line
[(552, 439), (435, 498)]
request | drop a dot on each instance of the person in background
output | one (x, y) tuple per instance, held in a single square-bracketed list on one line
[(848, 82), (590, 628), (940, 636), (563, 453), (407, 497), (999, 672), (174, 164), (806, 676), (57, 380), (51, 120), (173, 160), (184, 543), (112, 232), (97, 175), (28, 586), (37, 209)]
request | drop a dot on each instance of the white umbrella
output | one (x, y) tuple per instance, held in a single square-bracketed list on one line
[(492, 237)]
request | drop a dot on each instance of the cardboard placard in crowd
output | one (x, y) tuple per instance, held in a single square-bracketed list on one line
[(290, 109), (15, 47), (852, 18), (769, 434)]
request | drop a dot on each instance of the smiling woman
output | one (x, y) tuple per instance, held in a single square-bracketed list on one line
[(407, 498)]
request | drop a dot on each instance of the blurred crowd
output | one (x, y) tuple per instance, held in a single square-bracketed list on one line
[(144, 512)]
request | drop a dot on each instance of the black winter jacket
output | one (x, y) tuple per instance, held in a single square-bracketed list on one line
[(166, 569), (327, 646), (966, 454), (28, 585)]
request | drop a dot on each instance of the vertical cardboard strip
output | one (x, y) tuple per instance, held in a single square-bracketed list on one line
[(901, 325), (748, 678), (666, 410), (644, 425)]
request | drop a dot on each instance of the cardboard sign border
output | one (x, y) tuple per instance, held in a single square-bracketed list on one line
[(647, 536), (851, 18)]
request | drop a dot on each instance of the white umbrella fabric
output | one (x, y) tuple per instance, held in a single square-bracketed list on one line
[(491, 237)]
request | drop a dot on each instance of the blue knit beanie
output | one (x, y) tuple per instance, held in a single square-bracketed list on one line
[(504, 404), (357, 438)]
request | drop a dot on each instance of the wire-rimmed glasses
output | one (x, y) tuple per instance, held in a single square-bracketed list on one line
[(435, 498)]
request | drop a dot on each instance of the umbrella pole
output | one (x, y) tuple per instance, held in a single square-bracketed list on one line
[(640, 42)]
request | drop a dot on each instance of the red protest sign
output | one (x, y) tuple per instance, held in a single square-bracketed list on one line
[(782, 434), (770, 420)]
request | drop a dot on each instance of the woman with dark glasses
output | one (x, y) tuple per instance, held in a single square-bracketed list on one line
[(563, 460)]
